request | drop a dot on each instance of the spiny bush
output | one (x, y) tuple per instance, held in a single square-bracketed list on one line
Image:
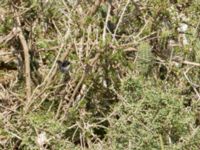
[(133, 81)]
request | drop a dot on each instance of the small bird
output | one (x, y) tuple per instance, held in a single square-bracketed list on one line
[(63, 66)]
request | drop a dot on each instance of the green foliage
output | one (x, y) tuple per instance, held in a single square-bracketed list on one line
[(148, 112), (43, 120), (133, 90)]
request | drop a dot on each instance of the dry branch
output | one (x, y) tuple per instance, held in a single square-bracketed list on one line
[(27, 65), (5, 39), (95, 7), (26, 60)]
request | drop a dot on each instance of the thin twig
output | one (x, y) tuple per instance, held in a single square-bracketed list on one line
[(40, 89), (77, 87), (120, 19), (47, 80), (106, 23), (5, 39), (6, 53), (95, 7), (191, 63), (194, 86)]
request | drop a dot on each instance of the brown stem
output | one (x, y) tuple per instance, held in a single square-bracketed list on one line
[(27, 65), (26, 62)]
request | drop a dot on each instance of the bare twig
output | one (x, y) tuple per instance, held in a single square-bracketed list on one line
[(26, 60), (78, 86), (40, 89), (191, 63), (95, 7), (8, 37), (194, 86), (185, 62), (47, 80), (120, 19), (27, 65), (4, 53), (106, 23)]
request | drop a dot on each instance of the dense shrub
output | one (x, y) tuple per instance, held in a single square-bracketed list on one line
[(133, 80)]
